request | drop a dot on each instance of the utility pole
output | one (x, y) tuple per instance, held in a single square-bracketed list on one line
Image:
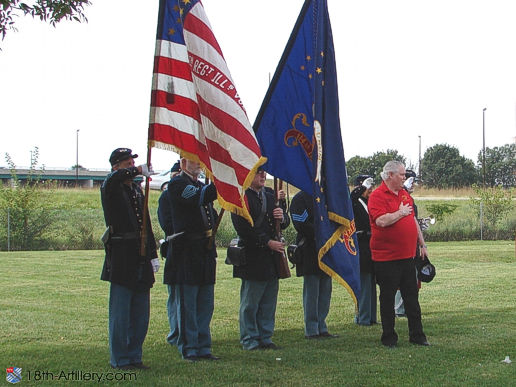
[(484, 147), (419, 165), (77, 160)]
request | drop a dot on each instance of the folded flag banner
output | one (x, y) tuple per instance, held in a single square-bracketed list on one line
[(298, 129), (195, 108)]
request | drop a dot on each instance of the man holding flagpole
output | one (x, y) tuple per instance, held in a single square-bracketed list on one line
[(298, 128), (197, 112), (129, 272), (259, 274), (191, 260)]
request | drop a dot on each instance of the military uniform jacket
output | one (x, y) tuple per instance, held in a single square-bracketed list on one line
[(165, 213), (260, 260), (123, 210), (302, 214), (363, 228), (191, 256)]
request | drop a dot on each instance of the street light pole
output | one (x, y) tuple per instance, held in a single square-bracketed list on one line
[(77, 160), (419, 165), (484, 147)]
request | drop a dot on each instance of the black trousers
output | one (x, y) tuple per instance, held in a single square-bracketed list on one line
[(390, 276)]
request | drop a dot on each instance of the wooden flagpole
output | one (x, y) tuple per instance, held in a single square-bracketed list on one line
[(281, 263), (145, 205), (217, 224)]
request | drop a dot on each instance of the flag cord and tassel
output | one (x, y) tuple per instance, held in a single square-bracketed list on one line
[(145, 206)]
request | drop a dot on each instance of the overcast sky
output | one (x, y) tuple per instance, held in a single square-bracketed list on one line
[(406, 68)]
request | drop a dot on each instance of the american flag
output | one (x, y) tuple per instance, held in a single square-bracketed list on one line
[(195, 108)]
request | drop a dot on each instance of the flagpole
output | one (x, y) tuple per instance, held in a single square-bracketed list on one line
[(277, 224), (281, 262), (145, 205), (217, 223)]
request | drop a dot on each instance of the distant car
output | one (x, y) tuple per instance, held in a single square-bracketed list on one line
[(158, 181)]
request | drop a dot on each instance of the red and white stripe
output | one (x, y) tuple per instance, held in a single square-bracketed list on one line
[(196, 109)]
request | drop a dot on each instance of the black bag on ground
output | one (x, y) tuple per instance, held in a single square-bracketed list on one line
[(235, 254)]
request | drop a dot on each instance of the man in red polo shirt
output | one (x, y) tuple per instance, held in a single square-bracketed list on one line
[(394, 233)]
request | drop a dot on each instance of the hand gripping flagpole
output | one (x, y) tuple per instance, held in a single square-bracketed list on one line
[(281, 262), (145, 206)]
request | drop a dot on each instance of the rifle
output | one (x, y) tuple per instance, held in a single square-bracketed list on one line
[(281, 261)]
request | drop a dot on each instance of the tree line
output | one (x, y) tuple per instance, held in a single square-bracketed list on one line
[(442, 166)]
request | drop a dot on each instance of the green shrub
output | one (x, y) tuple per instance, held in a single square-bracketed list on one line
[(26, 209), (440, 210), (494, 203)]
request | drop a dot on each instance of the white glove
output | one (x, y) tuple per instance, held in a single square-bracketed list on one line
[(155, 264), (368, 183), (408, 183), (147, 170)]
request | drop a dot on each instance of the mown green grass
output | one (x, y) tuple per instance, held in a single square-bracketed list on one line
[(54, 318)]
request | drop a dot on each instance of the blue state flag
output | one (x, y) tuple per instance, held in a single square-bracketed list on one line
[(298, 129)]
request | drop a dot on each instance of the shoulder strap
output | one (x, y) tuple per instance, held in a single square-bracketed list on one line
[(363, 204)]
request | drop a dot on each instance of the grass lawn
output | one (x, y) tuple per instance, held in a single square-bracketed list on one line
[(54, 319)]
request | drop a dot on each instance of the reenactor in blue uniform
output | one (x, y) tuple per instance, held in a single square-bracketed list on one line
[(367, 300), (259, 274), (191, 260), (165, 221), (131, 275), (317, 284)]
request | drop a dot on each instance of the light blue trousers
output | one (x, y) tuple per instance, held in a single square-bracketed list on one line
[(172, 316), (128, 323), (194, 310), (367, 300), (258, 301), (316, 303)]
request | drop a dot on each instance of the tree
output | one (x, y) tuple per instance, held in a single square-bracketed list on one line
[(371, 165), (379, 159), (51, 11), (357, 165), (500, 165), (442, 166)]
